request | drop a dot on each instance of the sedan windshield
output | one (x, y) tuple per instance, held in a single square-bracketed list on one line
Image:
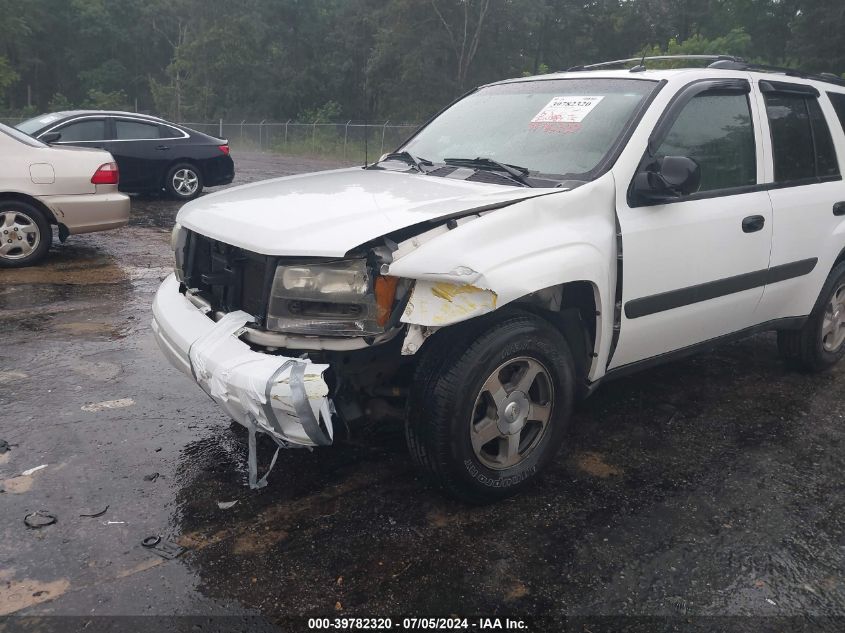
[(556, 128)]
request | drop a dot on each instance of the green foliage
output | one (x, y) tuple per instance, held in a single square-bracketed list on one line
[(101, 100), (365, 59), (59, 102), (8, 76), (329, 111)]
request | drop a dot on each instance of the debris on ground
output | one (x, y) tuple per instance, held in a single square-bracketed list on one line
[(166, 549), (225, 505), (5, 447), (95, 515), (39, 519), (29, 471), (94, 407), (151, 477)]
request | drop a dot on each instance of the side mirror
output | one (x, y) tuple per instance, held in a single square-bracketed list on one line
[(674, 176), (52, 137)]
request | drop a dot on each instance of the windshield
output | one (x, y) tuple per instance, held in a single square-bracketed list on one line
[(20, 136), (555, 128), (33, 125)]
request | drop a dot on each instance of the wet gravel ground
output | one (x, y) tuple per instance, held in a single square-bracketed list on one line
[(707, 487)]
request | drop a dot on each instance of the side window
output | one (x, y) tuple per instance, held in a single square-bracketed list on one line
[(801, 142), (134, 130), (87, 130), (716, 131), (838, 101), (165, 131)]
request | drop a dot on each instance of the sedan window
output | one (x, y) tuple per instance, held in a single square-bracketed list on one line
[(86, 130), (135, 130)]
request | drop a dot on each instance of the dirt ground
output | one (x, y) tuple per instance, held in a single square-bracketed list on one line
[(707, 487)]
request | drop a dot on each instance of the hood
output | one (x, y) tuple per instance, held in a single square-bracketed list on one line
[(326, 214)]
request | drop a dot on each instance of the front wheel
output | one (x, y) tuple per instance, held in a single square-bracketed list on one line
[(184, 181), (25, 233), (486, 415), (820, 344)]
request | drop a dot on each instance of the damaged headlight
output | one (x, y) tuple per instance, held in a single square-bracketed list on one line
[(178, 239), (340, 298)]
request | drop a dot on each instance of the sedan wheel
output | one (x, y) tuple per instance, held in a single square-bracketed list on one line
[(21, 235), (25, 234), (185, 182)]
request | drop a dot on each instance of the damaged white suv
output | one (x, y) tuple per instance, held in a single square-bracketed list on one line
[(535, 238)]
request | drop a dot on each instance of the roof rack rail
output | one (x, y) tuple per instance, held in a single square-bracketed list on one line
[(640, 60), (789, 72), (722, 62)]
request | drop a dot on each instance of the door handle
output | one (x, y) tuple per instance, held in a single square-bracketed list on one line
[(839, 208), (162, 147), (753, 223)]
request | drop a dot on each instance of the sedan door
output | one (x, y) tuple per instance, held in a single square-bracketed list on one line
[(140, 153), (694, 267), (85, 132)]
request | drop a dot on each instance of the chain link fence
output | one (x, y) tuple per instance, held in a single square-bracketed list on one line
[(348, 141)]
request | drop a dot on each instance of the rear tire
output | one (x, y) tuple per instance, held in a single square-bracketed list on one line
[(184, 181), (25, 234), (820, 344), (478, 424)]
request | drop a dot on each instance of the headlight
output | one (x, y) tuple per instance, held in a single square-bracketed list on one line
[(333, 298), (178, 239)]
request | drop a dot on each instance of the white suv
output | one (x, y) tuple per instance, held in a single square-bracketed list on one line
[(536, 238)]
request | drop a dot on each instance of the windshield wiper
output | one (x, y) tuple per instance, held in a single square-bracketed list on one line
[(514, 171), (410, 159)]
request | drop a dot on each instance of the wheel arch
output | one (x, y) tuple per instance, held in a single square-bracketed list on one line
[(23, 197)]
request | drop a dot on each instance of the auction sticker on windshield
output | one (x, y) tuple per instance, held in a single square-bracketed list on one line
[(566, 109)]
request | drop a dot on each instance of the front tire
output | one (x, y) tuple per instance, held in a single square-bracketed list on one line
[(184, 181), (26, 234), (820, 344), (485, 416)]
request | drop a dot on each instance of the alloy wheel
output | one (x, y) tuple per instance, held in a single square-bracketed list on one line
[(20, 234), (511, 413), (185, 182), (833, 322)]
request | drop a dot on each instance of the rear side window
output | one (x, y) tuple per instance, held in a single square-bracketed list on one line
[(165, 131), (87, 130), (135, 130), (716, 131), (801, 142), (838, 101)]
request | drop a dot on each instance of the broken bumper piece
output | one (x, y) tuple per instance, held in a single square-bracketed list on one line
[(287, 398)]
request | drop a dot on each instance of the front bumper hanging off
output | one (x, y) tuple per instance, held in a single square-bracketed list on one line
[(287, 398)]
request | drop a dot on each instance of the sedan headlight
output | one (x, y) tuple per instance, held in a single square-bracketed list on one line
[(340, 298)]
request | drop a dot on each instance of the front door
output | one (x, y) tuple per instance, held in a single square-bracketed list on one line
[(694, 269)]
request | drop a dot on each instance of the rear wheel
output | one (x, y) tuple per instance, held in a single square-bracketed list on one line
[(184, 181), (820, 344), (488, 412), (25, 232)]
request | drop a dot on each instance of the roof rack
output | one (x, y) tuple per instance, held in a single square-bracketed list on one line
[(789, 72), (640, 60), (723, 62)]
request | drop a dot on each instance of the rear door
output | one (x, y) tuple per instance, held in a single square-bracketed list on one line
[(805, 147), (140, 152), (694, 269)]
